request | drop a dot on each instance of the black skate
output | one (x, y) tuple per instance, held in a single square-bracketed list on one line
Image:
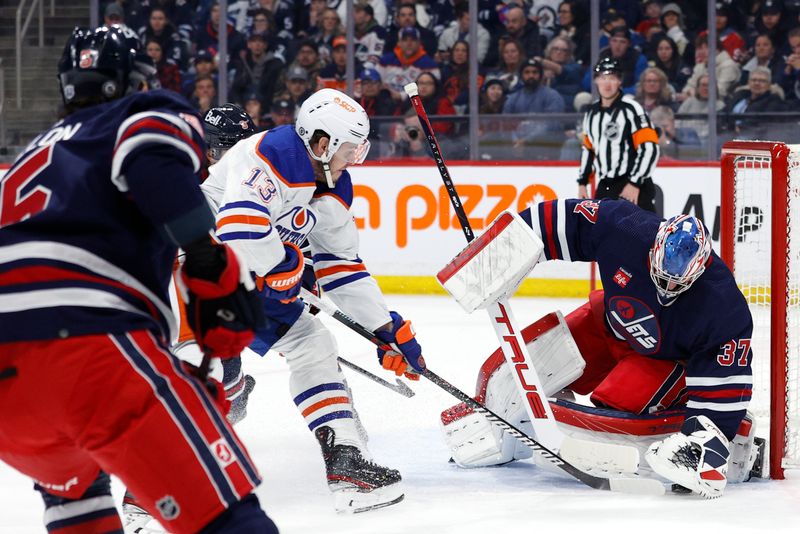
[(358, 485), (238, 409)]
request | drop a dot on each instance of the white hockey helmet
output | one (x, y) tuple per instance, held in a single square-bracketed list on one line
[(339, 116)]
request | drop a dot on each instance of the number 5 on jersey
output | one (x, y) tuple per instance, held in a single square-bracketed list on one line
[(17, 204)]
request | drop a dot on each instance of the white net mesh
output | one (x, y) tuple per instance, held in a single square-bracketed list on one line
[(753, 261)]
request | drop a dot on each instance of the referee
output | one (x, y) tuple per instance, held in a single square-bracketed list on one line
[(620, 144)]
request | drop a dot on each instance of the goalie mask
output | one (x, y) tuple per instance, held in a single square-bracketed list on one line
[(342, 119), (679, 256)]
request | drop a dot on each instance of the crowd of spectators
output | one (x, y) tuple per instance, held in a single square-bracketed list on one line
[(533, 57)]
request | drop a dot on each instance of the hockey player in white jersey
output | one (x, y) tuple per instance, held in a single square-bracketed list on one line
[(272, 193)]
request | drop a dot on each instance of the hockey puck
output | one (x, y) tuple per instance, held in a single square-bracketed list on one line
[(677, 488)]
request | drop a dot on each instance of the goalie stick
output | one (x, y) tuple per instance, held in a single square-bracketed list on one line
[(622, 484)]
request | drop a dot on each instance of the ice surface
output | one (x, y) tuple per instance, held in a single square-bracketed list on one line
[(441, 498)]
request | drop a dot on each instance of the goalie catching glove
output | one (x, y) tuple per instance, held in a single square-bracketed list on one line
[(222, 306), (696, 457), (405, 351), (283, 281)]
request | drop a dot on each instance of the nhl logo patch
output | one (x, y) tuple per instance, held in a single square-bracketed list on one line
[(612, 130), (622, 277), (222, 452), (168, 507)]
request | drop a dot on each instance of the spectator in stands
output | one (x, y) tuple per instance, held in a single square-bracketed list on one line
[(370, 37), (312, 19), (614, 18), (492, 97), (203, 66), (208, 37), (377, 102), (459, 31), (512, 56), (204, 96), (651, 17), (764, 55), (673, 142), (667, 58), (282, 15), (406, 17), (408, 141), (281, 113), (179, 12), (114, 14), (435, 103), (521, 29), (330, 28), (653, 90), (298, 86), (732, 41), (168, 74), (672, 22), (252, 105), (771, 20), (334, 74), (757, 98), (378, 7), (160, 29), (455, 76), (573, 24), (258, 71), (561, 72), (533, 97), (698, 103), (727, 70), (632, 60), (308, 58), (791, 73), (263, 23), (405, 63)]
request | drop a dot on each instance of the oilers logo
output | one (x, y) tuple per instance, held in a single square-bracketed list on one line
[(296, 224), (633, 320)]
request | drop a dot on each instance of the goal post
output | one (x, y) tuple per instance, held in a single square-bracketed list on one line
[(760, 242)]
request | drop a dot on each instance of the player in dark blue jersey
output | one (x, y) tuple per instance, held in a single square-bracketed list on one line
[(91, 217), (670, 328)]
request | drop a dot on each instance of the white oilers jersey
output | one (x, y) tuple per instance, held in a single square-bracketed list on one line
[(264, 192)]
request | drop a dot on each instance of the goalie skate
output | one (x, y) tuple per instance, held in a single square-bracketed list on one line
[(136, 520), (358, 485)]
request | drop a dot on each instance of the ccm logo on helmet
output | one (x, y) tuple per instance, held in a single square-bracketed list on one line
[(345, 105)]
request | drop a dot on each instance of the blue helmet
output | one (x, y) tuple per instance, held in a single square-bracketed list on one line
[(679, 256)]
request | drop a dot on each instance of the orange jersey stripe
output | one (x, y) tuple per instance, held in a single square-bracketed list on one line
[(587, 143), (322, 273), (243, 219), (644, 135), (326, 402), (184, 332)]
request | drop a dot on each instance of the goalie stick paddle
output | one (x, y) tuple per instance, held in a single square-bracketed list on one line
[(623, 484)]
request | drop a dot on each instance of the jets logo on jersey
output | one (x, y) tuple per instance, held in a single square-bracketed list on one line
[(633, 320), (296, 224), (587, 208)]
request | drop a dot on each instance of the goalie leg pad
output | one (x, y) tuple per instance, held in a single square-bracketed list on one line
[(494, 264), (473, 441)]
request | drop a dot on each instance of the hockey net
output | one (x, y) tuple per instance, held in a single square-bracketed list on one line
[(760, 241)]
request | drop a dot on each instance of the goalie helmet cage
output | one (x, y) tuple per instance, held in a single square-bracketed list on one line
[(760, 242)]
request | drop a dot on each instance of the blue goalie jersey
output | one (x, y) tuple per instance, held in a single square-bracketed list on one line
[(91, 215), (708, 327)]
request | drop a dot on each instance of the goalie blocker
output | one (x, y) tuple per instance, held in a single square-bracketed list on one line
[(474, 442)]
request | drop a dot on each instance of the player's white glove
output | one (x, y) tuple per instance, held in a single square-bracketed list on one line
[(696, 457)]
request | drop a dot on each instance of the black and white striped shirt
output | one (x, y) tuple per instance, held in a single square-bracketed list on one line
[(619, 142)]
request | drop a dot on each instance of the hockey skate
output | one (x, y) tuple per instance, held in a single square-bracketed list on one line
[(358, 485), (238, 409), (136, 520)]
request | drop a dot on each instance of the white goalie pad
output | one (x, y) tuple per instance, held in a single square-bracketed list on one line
[(494, 264), (472, 440)]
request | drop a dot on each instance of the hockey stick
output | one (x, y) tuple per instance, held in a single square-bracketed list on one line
[(400, 387), (636, 485), (505, 326)]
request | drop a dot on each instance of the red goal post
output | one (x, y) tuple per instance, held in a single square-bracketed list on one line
[(760, 242)]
